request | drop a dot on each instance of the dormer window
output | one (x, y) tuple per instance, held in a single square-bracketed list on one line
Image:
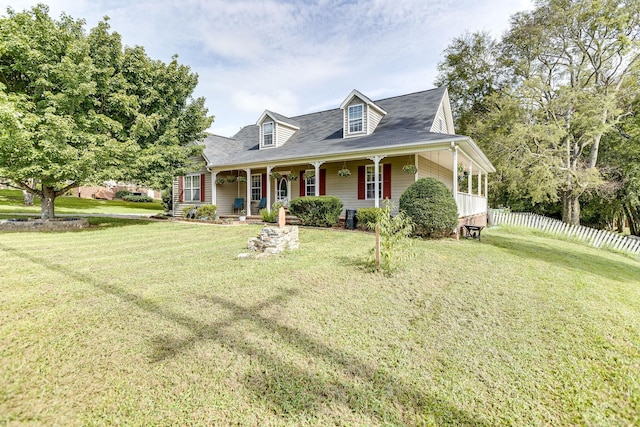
[(267, 133), (355, 118)]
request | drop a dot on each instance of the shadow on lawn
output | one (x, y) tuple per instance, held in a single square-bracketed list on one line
[(363, 389), (585, 262)]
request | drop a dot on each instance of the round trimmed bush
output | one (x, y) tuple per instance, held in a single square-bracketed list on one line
[(431, 206)]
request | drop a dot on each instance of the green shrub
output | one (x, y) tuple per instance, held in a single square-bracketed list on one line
[(367, 217), (122, 193), (395, 245), (267, 216), (431, 207), (132, 198), (167, 200), (206, 212), (322, 211)]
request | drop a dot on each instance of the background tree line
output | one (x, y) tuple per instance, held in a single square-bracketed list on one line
[(554, 104)]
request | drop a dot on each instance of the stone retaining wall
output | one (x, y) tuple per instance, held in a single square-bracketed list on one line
[(57, 224)]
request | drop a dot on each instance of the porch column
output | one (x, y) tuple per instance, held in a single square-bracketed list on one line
[(486, 187), (376, 181), (214, 190), (470, 180), (416, 160), (248, 183), (268, 196), (454, 187), (317, 165), (480, 182)]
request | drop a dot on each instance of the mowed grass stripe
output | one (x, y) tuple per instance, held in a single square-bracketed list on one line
[(161, 324)]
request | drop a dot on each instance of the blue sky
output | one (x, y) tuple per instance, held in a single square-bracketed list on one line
[(293, 57)]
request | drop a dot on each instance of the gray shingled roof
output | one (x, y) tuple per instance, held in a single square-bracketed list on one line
[(408, 120)]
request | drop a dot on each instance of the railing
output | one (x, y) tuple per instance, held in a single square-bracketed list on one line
[(592, 236), (470, 204)]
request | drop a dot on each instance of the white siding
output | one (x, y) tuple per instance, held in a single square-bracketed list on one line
[(374, 119), (283, 133), (427, 168)]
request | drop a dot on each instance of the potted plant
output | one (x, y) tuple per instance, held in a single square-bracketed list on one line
[(292, 176), (309, 174), (276, 175), (243, 215), (242, 179), (220, 181), (344, 172), (409, 169)]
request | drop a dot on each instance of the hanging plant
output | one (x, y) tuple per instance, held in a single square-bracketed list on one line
[(344, 171), (220, 181), (460, 168), (292, 176), (231, 178), (410, 169), (242, 179), (276, 175), (309, 174)]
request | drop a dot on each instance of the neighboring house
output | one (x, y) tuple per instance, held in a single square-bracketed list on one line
[(361, 135)]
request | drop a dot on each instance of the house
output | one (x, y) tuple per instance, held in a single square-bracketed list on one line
[(363, 152)]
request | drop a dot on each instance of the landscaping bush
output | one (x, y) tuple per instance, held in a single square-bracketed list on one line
[(272, 216), (206, 212), (167, 200), (122, 193), (431, 207), (367, 217), (132, 198), (322, 211)]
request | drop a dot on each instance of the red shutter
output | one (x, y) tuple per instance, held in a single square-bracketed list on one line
[(323, 182), (386, 181), (264, 185), (361, 183), (202, 178), (303, 184), (181, 188)]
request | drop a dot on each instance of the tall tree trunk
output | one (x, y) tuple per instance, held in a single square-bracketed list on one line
[(633, 216), (570, 208), (47, 203)]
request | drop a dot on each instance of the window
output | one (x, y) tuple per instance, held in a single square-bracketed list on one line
[(310, 184), (355, 118), (192, 188), (371, 182), (267, 133), (256, 187)]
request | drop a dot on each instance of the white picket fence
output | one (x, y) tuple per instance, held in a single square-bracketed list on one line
[(594, 237)]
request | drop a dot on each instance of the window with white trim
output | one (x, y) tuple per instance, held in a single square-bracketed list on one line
[(191, 188), (256, 187), (370, 182), (355, 118), (267, 133), (310, 184)]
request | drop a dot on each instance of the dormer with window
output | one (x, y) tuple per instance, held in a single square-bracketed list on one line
[(360, 115), (275, 129)]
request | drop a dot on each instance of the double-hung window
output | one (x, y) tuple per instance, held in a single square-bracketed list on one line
[(310, 184), (371, 182), (192, 188), (267, 133), (355, 118), (256, 187)]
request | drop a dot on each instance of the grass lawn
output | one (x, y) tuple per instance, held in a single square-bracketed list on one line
[(11, 201), (153, 323)]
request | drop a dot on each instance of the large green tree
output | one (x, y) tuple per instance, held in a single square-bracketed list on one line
[(568, 71), (78, 107)]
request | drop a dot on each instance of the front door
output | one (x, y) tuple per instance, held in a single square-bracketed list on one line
[(283, 191)]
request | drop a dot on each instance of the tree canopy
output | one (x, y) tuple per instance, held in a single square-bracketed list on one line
[(564, 76), (78, 107)]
